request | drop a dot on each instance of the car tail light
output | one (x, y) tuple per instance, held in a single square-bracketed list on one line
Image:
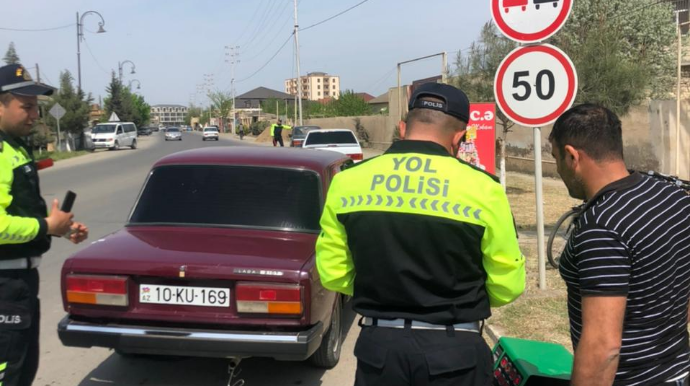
[(296, 143), (101, 290), (356, 157), (269, 298)]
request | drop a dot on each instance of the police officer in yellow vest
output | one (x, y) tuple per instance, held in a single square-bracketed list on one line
[(277, 132), (25, 228), (425, 244)]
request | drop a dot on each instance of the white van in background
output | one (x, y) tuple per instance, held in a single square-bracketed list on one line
[(114, 135)]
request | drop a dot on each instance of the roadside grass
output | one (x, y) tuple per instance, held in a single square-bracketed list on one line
[(537, 314), (59, 155)]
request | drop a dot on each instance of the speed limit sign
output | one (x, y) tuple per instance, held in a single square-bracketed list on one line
[(534, 85)]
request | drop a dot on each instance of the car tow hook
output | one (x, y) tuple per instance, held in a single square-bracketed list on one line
[(235, 371)]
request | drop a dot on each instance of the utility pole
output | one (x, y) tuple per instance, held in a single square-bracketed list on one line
[(233, 55), (299, 80), (38, 74)]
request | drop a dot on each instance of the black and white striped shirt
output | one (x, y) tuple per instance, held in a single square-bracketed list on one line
[(633, 240)]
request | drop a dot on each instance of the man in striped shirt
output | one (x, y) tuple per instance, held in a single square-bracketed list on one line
[(627, 264)]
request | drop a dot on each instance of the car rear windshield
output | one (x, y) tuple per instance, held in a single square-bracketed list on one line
[(211, 130), (331, 137), (101, 129), (173, 130), (232, 196)]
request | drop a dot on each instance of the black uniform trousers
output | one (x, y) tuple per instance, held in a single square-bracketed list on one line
[(19, 326), (278, 139), (404, 356)]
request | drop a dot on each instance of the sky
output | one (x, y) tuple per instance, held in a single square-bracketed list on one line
[(178, 47)]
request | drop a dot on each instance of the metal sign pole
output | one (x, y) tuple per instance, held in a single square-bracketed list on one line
[(540, 208), (58, 129)]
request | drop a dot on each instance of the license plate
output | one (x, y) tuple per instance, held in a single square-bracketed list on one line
[(184, 296)]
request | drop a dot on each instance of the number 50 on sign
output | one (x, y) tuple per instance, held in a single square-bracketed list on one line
[(534, 85)]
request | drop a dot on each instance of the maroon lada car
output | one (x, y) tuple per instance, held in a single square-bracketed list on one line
[(216, 260)]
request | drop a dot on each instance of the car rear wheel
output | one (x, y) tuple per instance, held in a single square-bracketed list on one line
[(134, 144), (328, 353)]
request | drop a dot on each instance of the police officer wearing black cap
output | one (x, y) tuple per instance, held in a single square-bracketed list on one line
[(26, 228), (425, 245)]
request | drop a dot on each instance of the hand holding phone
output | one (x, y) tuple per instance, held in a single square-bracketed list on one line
[(66, 207)]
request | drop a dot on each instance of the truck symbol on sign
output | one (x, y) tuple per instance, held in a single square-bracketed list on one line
[(539, 2), (507, 4), (515, 3)]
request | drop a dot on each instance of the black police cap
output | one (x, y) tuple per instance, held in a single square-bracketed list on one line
[(454, 102), (15, 79)]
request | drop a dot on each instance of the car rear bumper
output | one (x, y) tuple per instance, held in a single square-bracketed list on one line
[(191, 342)]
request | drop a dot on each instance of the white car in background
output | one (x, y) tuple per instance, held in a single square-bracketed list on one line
[(343, 141), (210, 133)]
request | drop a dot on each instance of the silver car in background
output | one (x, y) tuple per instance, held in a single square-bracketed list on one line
[(173, 134)]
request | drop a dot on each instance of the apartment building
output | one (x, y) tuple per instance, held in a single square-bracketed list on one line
[(315, 86)]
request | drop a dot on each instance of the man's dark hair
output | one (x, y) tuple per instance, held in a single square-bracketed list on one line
[(593, 129), (6, 98), (433, 117)]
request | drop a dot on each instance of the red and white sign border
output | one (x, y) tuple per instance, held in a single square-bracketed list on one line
[(521, 37), (552, 116)]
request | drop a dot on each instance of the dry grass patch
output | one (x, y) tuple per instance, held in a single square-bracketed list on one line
[(520, 193), (537, 315)]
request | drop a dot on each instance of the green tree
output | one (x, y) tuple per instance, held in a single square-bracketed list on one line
[(221, 103), (475, 71), (349, 104), (119, 101), (143, 110), (77, 106), (269, 106), (623, 50), (192, 111), (11, 56)]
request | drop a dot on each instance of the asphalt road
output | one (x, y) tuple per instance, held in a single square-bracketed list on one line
[(107, 184)]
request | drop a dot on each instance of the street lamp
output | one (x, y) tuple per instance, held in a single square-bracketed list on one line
[(80, 37), (134, 80), (121, 65)]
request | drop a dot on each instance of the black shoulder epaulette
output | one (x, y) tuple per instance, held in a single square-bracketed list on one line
[(352, 164), (496, 179)]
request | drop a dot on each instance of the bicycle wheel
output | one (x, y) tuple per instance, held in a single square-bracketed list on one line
[(559, 237)]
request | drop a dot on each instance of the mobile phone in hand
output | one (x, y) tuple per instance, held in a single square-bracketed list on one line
[(68, 202)]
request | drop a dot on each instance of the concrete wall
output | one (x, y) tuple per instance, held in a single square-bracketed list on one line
[(648, 137), (379, 127)]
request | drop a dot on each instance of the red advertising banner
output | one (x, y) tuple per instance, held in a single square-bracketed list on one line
[(479, 148)]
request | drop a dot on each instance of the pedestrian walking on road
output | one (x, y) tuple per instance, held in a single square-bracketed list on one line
[(627, 263), (25, 228), (425, 245)]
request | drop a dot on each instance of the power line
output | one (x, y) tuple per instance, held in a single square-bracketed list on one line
[(262, 22), (268, 31), (36, 30), (94, 58), (334, 16), (244, 30), (269, 60), (272, 41)]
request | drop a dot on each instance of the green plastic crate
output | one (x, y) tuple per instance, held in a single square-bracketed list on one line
[(520, 362)]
